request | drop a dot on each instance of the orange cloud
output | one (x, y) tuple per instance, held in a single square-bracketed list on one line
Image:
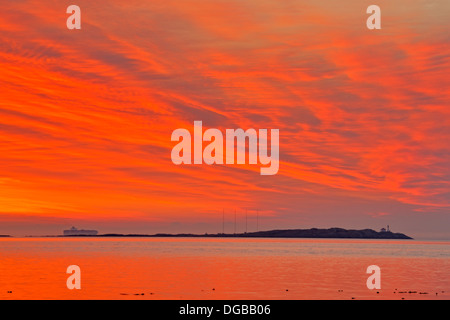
[(86, 115)]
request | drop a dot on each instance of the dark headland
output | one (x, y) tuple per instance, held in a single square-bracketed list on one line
[(290, 233)]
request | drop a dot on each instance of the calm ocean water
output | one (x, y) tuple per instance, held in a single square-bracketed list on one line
[(200, 268)]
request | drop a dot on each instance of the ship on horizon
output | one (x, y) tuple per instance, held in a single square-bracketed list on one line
[(79, 232)]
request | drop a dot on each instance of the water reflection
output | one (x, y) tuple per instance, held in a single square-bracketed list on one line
[(174, 268)]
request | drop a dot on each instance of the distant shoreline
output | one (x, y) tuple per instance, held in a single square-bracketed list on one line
[(332, 233)]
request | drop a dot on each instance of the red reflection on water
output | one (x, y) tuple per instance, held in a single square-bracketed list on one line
[(210, 269)]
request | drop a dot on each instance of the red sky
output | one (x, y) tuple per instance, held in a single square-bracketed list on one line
[(86, 115)]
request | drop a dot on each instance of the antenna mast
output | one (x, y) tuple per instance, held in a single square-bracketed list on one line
[(234, 221), (257, 220)]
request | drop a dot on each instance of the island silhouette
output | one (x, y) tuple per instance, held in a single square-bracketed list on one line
[(286, 233)]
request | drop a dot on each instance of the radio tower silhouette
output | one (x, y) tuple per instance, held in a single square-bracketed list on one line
[(234, 221), (223, 221), (257, 220)]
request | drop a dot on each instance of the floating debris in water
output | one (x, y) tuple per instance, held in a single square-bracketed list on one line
[(135, 294)]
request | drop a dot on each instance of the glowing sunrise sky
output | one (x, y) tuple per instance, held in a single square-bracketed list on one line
[(86, 115)]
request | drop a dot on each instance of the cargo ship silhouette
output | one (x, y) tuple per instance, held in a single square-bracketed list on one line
[(80, 232)]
